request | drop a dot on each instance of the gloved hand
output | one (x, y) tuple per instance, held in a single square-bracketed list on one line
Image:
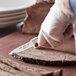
[(56, 28)]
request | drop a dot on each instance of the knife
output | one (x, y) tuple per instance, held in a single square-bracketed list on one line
[(24, 47)]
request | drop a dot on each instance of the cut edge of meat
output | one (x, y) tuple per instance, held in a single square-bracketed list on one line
[(27, 16), (11, 65), (43, 62)]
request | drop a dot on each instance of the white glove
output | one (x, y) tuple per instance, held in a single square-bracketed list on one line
[(56, 27)]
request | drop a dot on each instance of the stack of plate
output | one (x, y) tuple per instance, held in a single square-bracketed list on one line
[(12, 12)]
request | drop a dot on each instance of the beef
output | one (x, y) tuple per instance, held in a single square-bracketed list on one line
[(35, 15), (46, 57), (49, 1), (11, 68), (4, 73)]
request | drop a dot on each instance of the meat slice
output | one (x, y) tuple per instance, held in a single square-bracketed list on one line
[(49, 1), (11, 68), (46, 57), (35, 15), (4, 73)]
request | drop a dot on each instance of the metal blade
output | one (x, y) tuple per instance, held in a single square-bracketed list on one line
[(24, 46)]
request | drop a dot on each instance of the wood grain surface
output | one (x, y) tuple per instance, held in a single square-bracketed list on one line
[(16, 39)]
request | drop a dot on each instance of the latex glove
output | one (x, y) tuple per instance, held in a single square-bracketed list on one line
[(56, 27)]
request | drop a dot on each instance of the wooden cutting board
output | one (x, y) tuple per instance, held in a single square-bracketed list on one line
[(16, 39)]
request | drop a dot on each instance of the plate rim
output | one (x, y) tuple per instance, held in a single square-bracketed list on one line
[(12, 18), (11, 22), (18, 8)]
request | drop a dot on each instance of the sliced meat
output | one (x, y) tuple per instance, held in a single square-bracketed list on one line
[(46, 57), (11, 68), (35, 15)]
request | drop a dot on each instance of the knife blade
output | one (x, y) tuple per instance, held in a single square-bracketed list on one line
[(25, 46)]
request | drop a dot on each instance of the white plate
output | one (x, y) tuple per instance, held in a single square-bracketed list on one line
[(11, 18), (12, 5), (12, 14), (12, 23)]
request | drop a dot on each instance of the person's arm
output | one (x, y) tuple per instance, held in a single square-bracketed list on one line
[(72, 4)]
